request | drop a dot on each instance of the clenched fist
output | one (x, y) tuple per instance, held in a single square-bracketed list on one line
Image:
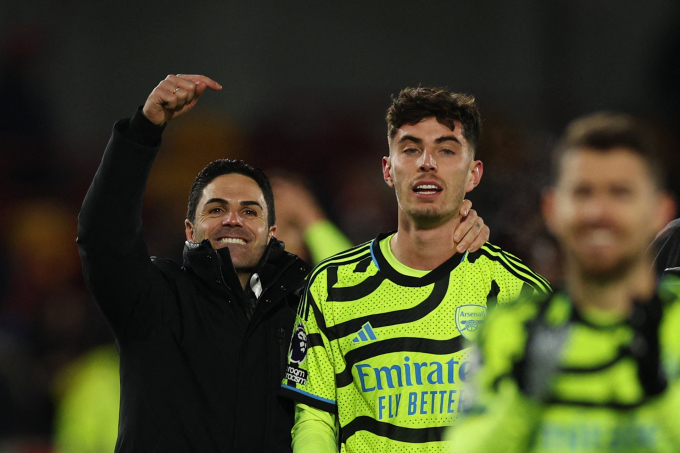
[(175, 96)]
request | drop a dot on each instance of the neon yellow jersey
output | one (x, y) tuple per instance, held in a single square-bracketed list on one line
[(384, 346), (613, 386)]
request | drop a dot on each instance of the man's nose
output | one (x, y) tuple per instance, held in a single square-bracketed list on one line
[(232, 218), (427, 161), (596, 209)]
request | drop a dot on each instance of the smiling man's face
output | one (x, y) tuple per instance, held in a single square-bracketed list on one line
[(431, 167), (233, 213), (605, 210)]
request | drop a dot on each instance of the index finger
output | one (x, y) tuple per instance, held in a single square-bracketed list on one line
[(201, 79)]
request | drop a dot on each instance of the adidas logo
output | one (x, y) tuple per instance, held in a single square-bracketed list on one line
[(365, 334)]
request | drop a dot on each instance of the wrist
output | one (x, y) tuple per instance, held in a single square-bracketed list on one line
[(143, 131)]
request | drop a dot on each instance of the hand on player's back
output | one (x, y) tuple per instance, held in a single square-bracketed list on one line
[(175, 96)]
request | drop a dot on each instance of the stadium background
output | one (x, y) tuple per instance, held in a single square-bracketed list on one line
[(306, 85)]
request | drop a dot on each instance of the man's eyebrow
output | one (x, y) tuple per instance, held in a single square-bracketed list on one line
[(243, 203), (252, 203), (446, 138), (411, 138), (217, 200)]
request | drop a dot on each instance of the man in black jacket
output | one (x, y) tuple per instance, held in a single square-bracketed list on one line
[(203, 346)]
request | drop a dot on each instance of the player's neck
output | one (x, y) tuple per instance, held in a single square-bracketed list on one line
[(613, 295), (423, 249)]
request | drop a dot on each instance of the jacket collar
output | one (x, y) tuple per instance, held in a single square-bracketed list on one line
[(216, 270)]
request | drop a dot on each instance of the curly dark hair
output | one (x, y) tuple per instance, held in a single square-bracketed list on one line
[(221, 167), (412, 105), (604, 131)]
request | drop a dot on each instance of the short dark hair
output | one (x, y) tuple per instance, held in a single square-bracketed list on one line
[(221, 167), (412, 105), (605, 131)]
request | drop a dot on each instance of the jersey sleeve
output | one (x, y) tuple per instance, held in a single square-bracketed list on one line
[(315, 431), (500, 417), (310, 372)]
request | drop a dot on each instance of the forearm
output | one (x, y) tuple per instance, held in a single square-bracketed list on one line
[(112, 209), (324, 239), (314, 431), (115, 260)]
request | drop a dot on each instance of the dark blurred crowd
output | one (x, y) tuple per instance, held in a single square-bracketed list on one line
[(52, 337)]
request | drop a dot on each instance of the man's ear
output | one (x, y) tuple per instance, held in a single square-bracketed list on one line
[(667, 208), (189, 230), (476, 170), (272, 233), (548, 209), (386, 167)]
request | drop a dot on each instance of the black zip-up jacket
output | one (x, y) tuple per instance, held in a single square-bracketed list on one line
[(196, 374)]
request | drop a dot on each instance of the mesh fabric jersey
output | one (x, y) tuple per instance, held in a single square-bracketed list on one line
[(614, 385), (385, 346)]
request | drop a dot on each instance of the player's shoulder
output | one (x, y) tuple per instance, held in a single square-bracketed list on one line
[(355, 257), (669, 288), (495, 254), (669, 293), (511, 319), (496, 258)]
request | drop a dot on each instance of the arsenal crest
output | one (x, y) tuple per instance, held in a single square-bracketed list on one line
[(469, 318)]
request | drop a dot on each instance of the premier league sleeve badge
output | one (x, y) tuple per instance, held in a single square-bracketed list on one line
[(296, 355), (298, 345)]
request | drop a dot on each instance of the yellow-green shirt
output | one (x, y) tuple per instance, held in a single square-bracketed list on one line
[(385, 347)]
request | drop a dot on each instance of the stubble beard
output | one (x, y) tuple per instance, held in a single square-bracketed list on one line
[(429, 216), (592, 270), (247, 263)]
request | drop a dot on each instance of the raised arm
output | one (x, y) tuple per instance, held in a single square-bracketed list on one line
[(116, 264)]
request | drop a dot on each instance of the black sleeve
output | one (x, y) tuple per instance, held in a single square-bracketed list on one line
[(131, 292), (666, 248)]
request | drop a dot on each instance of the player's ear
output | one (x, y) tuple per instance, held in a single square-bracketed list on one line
[(387, 168), (189, 230), (666, 209), (476, 171), (548, 208), (272, 233)]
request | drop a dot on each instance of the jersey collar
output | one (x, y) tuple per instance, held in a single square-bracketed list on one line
[(406, 280)]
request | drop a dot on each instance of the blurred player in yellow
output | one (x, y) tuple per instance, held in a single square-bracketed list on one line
[(595, 367)]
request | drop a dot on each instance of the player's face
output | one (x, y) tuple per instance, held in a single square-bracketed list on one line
[(605, 210), (431, 167), (232, 213)]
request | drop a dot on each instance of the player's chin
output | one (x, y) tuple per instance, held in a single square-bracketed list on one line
[(604, 267)]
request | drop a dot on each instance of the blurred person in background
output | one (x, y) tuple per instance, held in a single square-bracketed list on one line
[(378, 361), (202, 347), (301, 222), (46, 318), (596, 366)]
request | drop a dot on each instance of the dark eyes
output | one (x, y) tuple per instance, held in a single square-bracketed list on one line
[(217, 210), (416, 150)]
